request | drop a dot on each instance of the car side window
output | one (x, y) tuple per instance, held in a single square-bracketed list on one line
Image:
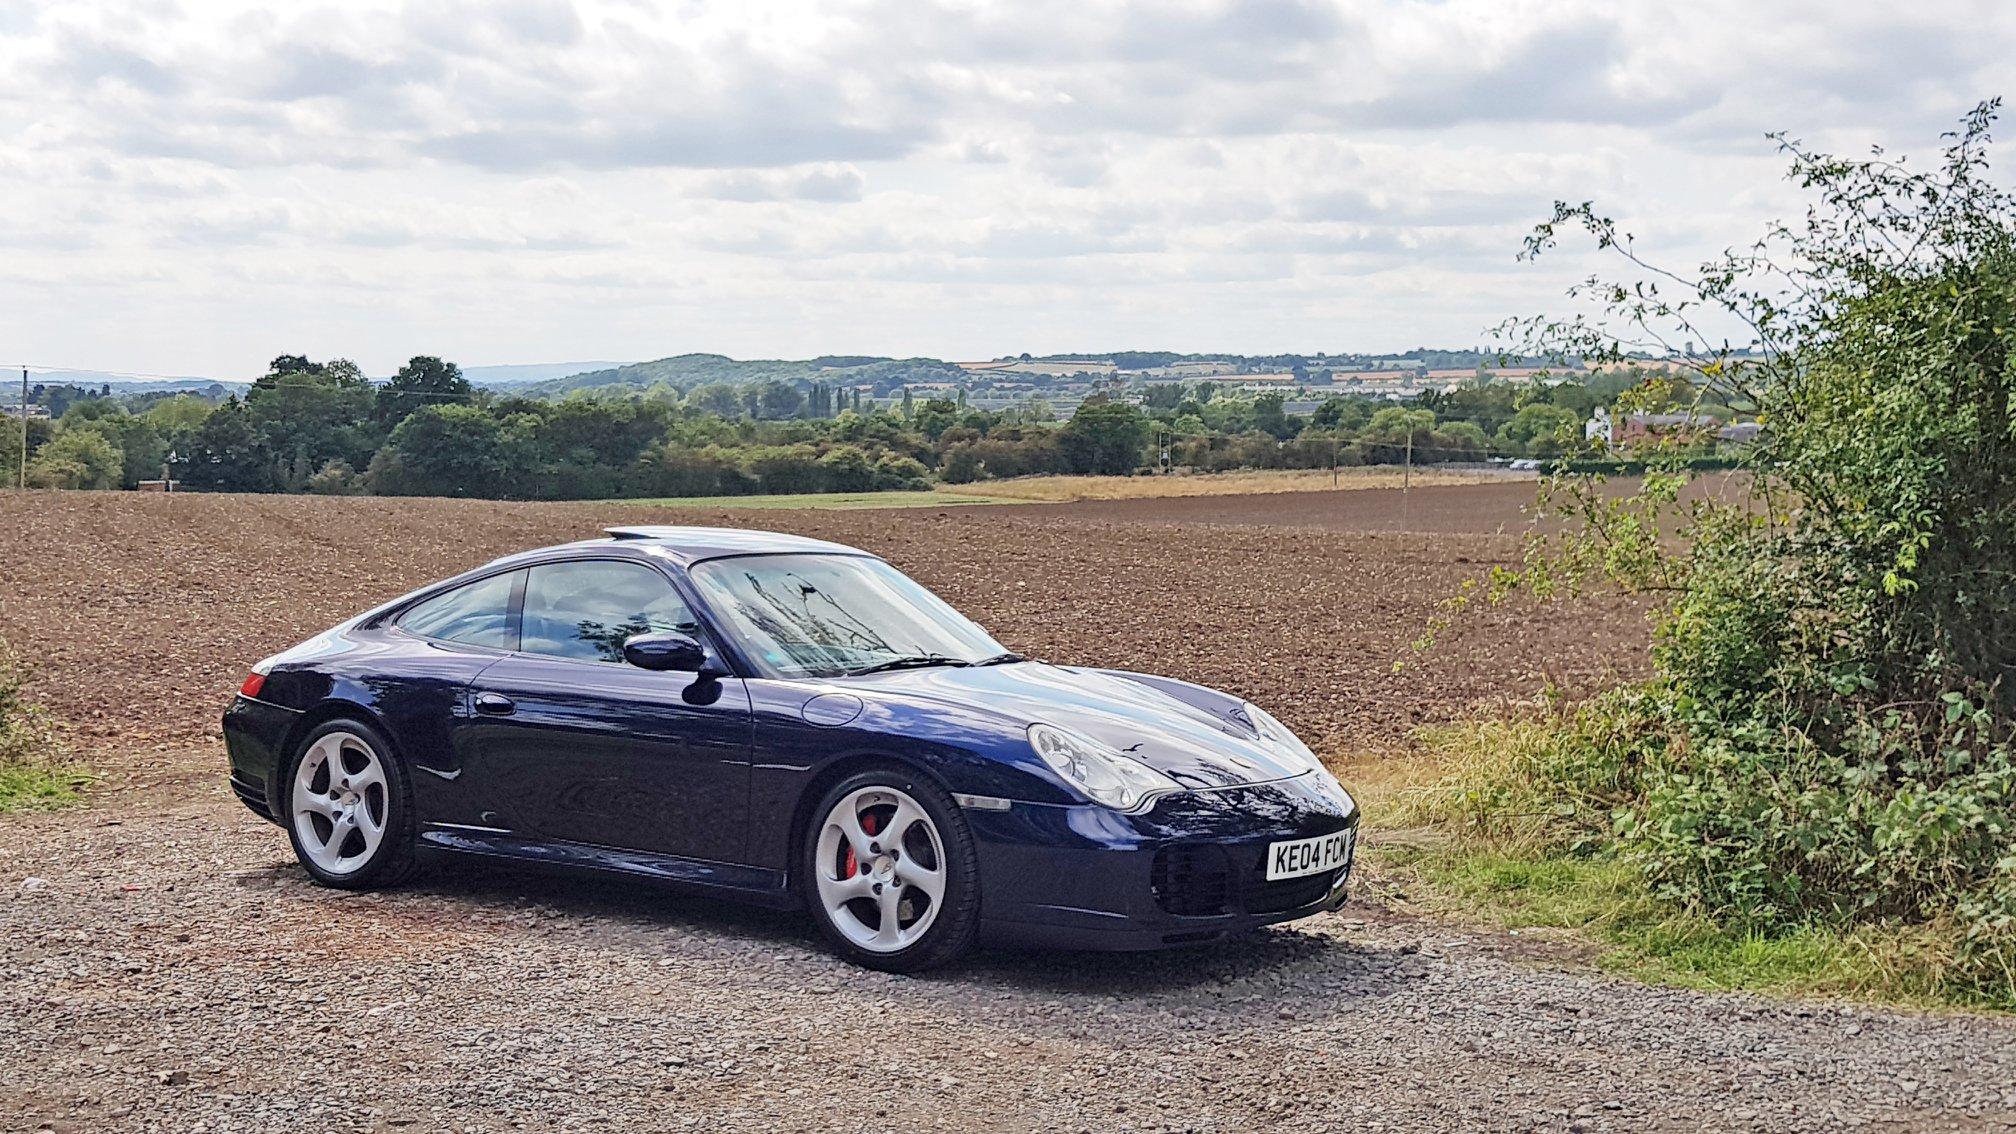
[(586, 609), (478, 614)]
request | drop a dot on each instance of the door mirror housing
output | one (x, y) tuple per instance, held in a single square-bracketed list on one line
[(665, 652)]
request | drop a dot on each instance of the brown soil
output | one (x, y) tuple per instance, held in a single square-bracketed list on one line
[(1503, 507), (142, 613)]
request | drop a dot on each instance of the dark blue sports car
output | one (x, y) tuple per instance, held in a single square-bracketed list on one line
[(787, 721)]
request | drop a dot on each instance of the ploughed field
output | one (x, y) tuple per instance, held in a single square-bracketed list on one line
[(141, 613), (164, 964)]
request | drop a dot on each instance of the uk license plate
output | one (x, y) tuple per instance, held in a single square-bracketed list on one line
[(1297, 857)]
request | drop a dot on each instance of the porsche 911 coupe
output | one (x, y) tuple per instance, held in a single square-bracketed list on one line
[(791, 722)]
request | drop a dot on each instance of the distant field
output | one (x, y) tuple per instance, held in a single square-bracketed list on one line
[(1060, 489), (1069, 489), (841, 501)]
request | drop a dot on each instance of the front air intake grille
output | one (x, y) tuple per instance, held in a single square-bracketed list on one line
[(1288, 893), (1192, 881), (1197, 880)]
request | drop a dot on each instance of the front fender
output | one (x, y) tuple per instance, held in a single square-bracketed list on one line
[(798, 748)]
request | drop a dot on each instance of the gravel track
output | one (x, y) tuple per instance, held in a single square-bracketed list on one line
[(175, 971), (165, 966)]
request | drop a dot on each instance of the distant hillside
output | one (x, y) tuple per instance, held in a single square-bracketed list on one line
[(94, 379), (685, 371), (526, 373)]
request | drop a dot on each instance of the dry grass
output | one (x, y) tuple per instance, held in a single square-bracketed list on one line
[(1063, 489)]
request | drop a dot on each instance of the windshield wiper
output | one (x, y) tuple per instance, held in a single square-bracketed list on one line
[(1000, 659), (917, 662)]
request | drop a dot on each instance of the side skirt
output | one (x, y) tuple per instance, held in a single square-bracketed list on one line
[(721, 879)]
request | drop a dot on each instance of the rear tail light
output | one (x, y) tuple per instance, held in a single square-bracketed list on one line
[(253, 684)]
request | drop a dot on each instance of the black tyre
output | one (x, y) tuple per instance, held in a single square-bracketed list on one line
[(891, 873), (347, 804)]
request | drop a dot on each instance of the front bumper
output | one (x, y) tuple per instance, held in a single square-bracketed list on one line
[(1190, 870)]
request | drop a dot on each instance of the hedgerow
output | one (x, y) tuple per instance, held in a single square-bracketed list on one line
[(1830, 736)]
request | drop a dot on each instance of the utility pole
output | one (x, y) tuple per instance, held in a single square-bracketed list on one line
[(23, 484), (1407, 474)]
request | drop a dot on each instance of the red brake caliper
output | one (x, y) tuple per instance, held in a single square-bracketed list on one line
[(848, 866)]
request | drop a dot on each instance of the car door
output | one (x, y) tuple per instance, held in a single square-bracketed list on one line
[(575, 744), (418, 668)]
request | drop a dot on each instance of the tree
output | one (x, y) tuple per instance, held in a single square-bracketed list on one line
[(777, 401), (141, 447), (423, 381), (304, 415), (1104, 438), (1336, 414), (77, 458), (178, 416), (1385, 440), (1270, 418), (446, 450), (847, 468), (935, 416), (718, 398), (226, 453), (1541, 429)]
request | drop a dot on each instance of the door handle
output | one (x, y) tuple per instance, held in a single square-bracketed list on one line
[(495, 704)]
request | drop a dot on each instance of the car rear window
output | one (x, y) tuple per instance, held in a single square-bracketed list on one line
[(477, 614)]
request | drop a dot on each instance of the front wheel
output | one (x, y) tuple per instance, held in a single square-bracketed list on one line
[(350, 809), (894, 879)]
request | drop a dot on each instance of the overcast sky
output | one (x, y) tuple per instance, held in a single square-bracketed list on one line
[(194, 188)]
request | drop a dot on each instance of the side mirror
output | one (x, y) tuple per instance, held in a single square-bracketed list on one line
[(665, 651)]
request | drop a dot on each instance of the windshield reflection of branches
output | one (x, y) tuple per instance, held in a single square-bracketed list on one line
[(807, 636), (823, 614)]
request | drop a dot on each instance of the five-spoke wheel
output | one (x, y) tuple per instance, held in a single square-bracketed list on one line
[(885, 876), (340, 802), (891, 871), (346, 808)]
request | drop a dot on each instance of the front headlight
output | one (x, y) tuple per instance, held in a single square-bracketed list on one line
[(1104, 774)]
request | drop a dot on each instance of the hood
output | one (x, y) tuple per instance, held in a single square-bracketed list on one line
[(1192, 746)]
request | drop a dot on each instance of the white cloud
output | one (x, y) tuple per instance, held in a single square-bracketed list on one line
[(514, 180)]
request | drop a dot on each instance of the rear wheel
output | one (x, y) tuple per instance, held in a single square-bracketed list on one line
[(894, 879), (349, 808)]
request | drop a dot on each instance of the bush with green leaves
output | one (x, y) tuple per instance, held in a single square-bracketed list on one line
[(1830, 737)]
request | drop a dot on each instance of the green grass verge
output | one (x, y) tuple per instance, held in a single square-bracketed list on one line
[(832, 500), (1505, 825), (41, 787), (1606, 904)]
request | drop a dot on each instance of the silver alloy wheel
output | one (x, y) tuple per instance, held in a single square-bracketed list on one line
[(339, 801), (880, 869)]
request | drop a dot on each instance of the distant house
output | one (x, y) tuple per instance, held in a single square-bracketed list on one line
[(1599, 427)]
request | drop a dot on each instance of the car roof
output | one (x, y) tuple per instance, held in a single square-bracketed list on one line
[(689, 545)]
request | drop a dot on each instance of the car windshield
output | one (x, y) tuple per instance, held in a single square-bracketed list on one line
[(828, 615)]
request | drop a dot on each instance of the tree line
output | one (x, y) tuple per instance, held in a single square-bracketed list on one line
[(323, 427)]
